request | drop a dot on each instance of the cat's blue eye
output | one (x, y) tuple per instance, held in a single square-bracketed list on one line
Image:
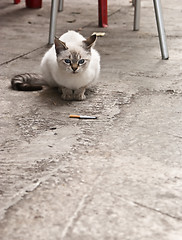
[(81, 61), (67, 61)]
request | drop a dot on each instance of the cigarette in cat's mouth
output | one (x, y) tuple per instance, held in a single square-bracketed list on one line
[(82, 117)]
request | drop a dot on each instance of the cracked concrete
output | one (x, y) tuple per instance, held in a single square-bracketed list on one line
[(117, 177)]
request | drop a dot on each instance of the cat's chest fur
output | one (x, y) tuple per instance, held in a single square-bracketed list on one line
[(72, 62)]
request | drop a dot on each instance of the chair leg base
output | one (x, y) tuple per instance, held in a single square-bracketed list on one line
[(160, 25), (60, 6), (17, 1), (53, 18), (102, 13), (161, 30), (137, 7)]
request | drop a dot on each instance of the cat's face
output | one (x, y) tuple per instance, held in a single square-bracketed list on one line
[(74, 59)]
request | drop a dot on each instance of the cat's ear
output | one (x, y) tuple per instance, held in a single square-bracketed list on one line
[(59, 45), (89, 42)]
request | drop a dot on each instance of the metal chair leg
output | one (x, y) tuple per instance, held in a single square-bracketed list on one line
[(60, 7), (52, 27), (161, 31), (137, 7)]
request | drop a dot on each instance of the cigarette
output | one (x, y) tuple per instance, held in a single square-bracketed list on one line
[(82, 117), (99, 34)]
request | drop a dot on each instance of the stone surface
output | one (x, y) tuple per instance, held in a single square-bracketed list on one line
[(117, 177)]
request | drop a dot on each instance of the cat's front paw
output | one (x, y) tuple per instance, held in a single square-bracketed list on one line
[(79, 94), (79, 97), (67, 94), (67, 97)]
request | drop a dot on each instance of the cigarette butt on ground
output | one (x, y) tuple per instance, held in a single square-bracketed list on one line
[(99, 34), (82, 117)]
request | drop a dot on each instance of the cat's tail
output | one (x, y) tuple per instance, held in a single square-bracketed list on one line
[(27, 82)]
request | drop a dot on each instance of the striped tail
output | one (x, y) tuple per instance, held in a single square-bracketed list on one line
[(27, 82)]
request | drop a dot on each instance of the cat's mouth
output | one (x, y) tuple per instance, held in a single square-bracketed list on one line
[(74, 72)]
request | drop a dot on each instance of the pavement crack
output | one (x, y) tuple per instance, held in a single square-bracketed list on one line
[(133, 202), (21, 55), (173, 135), (75, 216), (87, 197), (118, 10), (158, 211), (18, 197)]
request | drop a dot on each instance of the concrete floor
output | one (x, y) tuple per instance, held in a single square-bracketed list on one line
[(117, 177)]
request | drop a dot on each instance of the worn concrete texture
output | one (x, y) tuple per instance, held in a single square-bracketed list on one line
[(117, 177)]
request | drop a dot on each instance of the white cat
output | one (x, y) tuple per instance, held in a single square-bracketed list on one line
[(71, 64)]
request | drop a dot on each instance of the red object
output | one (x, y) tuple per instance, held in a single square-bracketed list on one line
[(102, 9), (102, 13), (33, 3), (17, 1)]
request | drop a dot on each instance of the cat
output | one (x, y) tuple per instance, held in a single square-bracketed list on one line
[(71, 65)]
